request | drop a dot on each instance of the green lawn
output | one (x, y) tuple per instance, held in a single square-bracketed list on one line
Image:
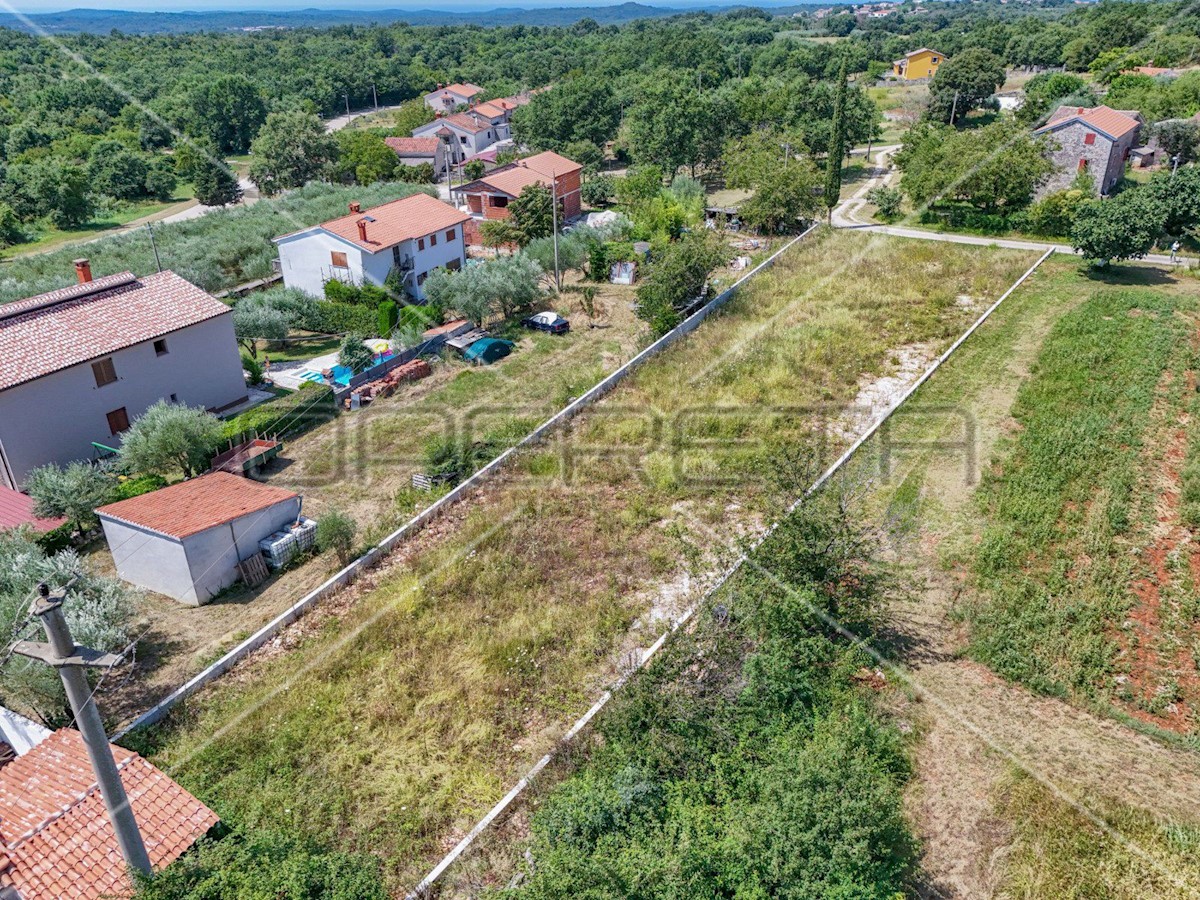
[(398, 720)]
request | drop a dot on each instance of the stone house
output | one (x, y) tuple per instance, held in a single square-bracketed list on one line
[(488, 197), (1095, 140)]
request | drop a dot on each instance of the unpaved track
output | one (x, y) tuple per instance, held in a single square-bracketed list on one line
[(975, 727)]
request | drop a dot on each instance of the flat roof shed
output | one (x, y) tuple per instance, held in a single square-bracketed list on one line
[(186, 540)]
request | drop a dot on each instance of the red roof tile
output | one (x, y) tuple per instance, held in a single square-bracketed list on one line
[(464, 89), (55, 830), (400, 220), (410, 146), (72, 325), (467, 122), (512, 179), (190, 507), (490, 108), (1112, 122), (16, 509)]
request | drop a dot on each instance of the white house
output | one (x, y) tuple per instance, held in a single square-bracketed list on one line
[(467, 133), (186, 540), (79, 364), (414, 235), (416, 151), (448, 98)]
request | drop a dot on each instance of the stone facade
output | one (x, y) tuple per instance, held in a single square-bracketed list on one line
[(1076, 145)]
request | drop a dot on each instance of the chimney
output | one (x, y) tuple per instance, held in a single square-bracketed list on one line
[(355, 206), (362, 230), (83, 271)]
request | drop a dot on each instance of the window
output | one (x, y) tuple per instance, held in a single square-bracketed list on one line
[(433, 240), (450, 235), (338, 260), (1089, 138), (174, 398), (500, 202), (454, 265), (1083, 165), (934, 60), (396, 256), (420, 243), (104, 371), (421, 278), (160, 347), (118, 421)]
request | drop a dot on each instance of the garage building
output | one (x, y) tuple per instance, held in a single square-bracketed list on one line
[(186, 540)]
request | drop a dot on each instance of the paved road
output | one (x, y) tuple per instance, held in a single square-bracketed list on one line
[(340, 122), (846, 213), (250, 196)]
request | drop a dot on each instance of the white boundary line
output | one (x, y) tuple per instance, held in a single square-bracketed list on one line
[(375, 554), (519, 788)]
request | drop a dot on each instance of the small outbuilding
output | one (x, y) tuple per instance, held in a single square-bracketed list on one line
[(186, 540)]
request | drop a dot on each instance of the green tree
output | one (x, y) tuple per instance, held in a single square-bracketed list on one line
[(336, 532), (169, 438), (973, 76), (676, 278), (598, 190), (291, 149), (785, 181), (161, 180), (49, 187), (364, 158), (256, 319), (1178, 138), (226, 111), (474, 169), (70, 493), (887, 200), (532, 214), (837, 145), (117, 171), (1125, 227), (354, 354), (579, 108), (215, 183)]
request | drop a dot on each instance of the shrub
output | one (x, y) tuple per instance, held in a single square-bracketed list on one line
[(388, 318), (254, 369), (71, 493), (340, 292), (354, 354), (887, 200), (286, 416), (336, 531), (169, 438), (598, 190), (135, 487), (324, 317)]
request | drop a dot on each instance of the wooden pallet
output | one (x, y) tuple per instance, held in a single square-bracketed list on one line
[(254, 570)]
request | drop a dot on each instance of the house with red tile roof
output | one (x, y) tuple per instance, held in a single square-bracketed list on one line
[(467, 133), (414, 235), (56, 841), (449, 97), (1093, 140), (488, 197), (16, 511), (417, 151), (186, 540), (79, 364)]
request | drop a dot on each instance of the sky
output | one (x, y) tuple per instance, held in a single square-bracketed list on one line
[(34, 6)]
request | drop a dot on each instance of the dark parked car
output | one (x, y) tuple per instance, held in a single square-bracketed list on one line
[(547, 321)]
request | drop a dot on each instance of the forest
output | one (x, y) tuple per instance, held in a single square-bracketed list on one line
[(91, 123)]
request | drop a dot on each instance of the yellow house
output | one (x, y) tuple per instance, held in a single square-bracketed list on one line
[(918, 64)]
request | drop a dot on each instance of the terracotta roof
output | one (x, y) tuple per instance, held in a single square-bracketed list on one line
[(63, 328), (515, 177), (400, 220), (413, 146), (16, 509), (1111, 122), (491, 109), (199, 504), (466, 122), (464, 89), (55, 831)]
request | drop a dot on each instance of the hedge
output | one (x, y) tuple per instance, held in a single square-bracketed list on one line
[(325, 317), (287, 416)]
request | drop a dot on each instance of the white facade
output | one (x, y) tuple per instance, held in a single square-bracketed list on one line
[(468, 141), (310, 258), (55, 418), (196, 568)]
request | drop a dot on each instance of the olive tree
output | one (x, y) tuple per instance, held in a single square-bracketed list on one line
[(170, 438)]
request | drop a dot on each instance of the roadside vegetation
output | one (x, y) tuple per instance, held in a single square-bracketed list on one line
[(450, 671)]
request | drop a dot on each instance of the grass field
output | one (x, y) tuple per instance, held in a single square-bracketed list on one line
[(407, 707), (1067, 401)]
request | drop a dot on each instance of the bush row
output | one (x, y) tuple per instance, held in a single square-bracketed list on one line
[(287, 416)]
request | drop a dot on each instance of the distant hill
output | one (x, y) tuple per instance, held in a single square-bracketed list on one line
[(98, 21)]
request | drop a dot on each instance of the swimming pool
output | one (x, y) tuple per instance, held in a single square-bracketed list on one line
[(343, 374)]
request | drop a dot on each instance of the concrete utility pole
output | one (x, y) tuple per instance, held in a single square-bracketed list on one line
[(347, 96), (1175, 164), (554, 219), (70, 659), (375, 95), (954, 108), (154, 245)]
